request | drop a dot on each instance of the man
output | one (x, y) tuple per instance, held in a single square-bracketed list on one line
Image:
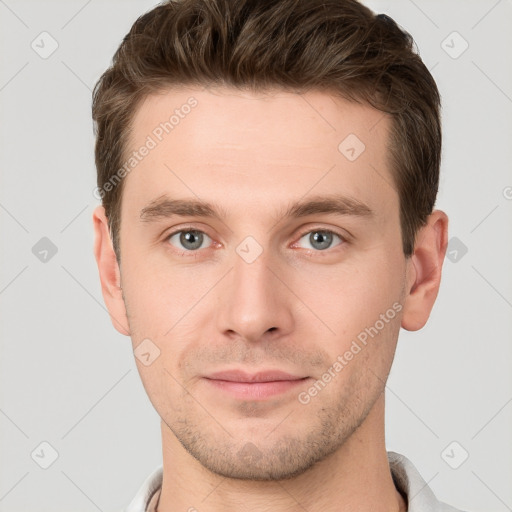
[(268, 172)]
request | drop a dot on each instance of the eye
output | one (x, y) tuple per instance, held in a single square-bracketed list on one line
[(320, 239), (189, 239)]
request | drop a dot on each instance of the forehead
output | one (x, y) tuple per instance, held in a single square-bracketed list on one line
[(223, 114), (222, 143)]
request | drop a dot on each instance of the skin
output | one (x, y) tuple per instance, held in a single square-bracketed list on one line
[(295, 308)]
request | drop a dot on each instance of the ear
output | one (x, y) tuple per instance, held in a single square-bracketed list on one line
[(110, 275), (424, 271)]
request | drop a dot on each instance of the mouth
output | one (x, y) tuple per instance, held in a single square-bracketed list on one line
[(257, 386)]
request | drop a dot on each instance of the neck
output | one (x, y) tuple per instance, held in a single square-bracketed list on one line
[(355, 477)]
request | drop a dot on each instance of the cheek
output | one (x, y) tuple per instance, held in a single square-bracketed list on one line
[(161, 383), (352, 295), (158, 294), (361, 306)]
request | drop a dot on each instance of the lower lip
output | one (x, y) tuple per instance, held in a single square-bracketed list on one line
[(256, 390)]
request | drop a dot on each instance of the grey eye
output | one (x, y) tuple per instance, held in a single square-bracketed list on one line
[(320, 239), (189, 239)]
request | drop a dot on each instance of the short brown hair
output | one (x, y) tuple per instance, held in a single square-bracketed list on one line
[(339, 46)]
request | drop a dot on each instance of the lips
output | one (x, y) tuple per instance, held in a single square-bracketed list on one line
[(262, 376), (259, 386)]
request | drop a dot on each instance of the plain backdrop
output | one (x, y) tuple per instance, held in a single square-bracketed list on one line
[(69, 380)]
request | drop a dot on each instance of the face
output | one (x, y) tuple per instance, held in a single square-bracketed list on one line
[(257, 282)]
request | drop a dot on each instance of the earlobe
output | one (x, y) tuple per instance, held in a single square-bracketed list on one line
[(424, 271), (109, 272)]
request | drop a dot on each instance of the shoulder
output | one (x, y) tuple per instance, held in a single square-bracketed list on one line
[(408, 480), (149, 487)]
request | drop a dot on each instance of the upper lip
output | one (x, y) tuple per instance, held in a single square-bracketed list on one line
[(261, 376)]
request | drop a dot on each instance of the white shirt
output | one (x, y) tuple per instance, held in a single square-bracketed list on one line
[(408, 481)]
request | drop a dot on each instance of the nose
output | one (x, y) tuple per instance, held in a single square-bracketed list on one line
[(254, 303)]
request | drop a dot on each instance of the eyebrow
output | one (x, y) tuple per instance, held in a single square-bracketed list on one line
[(165, 207)]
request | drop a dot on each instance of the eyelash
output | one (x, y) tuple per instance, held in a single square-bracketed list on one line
[(194, 253)]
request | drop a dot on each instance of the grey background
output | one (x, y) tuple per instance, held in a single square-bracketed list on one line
[(69, 379)]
